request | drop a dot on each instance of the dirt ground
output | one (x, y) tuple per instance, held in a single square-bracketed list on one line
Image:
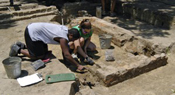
[(9, 34), (160, 81)]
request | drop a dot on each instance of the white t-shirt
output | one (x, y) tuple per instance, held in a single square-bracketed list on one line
[(46, 32)]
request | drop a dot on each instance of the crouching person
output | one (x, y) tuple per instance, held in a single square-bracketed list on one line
[(84, 43), (38, 35)]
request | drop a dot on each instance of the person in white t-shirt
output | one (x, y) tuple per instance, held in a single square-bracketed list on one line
[(38, 35)]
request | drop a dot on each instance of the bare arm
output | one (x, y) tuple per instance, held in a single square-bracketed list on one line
[(63, 44), (64, 47)]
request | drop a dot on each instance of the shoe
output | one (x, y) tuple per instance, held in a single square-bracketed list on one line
[(113, 14), (89, 61), (21, 45), (14, 50)]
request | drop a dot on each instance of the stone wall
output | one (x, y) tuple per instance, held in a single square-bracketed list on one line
[(157, 14), (110, 75)]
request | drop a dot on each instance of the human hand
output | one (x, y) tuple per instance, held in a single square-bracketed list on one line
[(81, 68)]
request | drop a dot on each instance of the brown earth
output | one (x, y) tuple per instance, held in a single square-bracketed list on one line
[(156, 82)]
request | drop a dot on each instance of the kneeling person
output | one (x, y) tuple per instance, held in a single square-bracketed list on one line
[(38, 35)]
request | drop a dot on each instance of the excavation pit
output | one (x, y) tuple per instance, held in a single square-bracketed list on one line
[(133, 56)]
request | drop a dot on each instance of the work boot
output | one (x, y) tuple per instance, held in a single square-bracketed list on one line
[(89, 61), (21, 45), (14, 49)]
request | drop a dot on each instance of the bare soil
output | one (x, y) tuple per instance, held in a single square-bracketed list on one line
[(156, 82)]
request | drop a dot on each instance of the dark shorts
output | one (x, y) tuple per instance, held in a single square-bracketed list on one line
[(35, 48)]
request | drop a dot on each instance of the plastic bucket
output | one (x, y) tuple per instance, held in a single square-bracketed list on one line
[(105, 41), (12, 67)]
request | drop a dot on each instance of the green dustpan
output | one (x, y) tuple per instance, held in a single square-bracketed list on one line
[(60, 77)]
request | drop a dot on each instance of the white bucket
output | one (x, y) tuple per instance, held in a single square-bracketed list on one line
[(12, 67), (105, 41)]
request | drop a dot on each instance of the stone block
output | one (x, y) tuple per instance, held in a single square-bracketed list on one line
[(3, 8), (110, 75), (6, 16), (4, 1), (28, 6)]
